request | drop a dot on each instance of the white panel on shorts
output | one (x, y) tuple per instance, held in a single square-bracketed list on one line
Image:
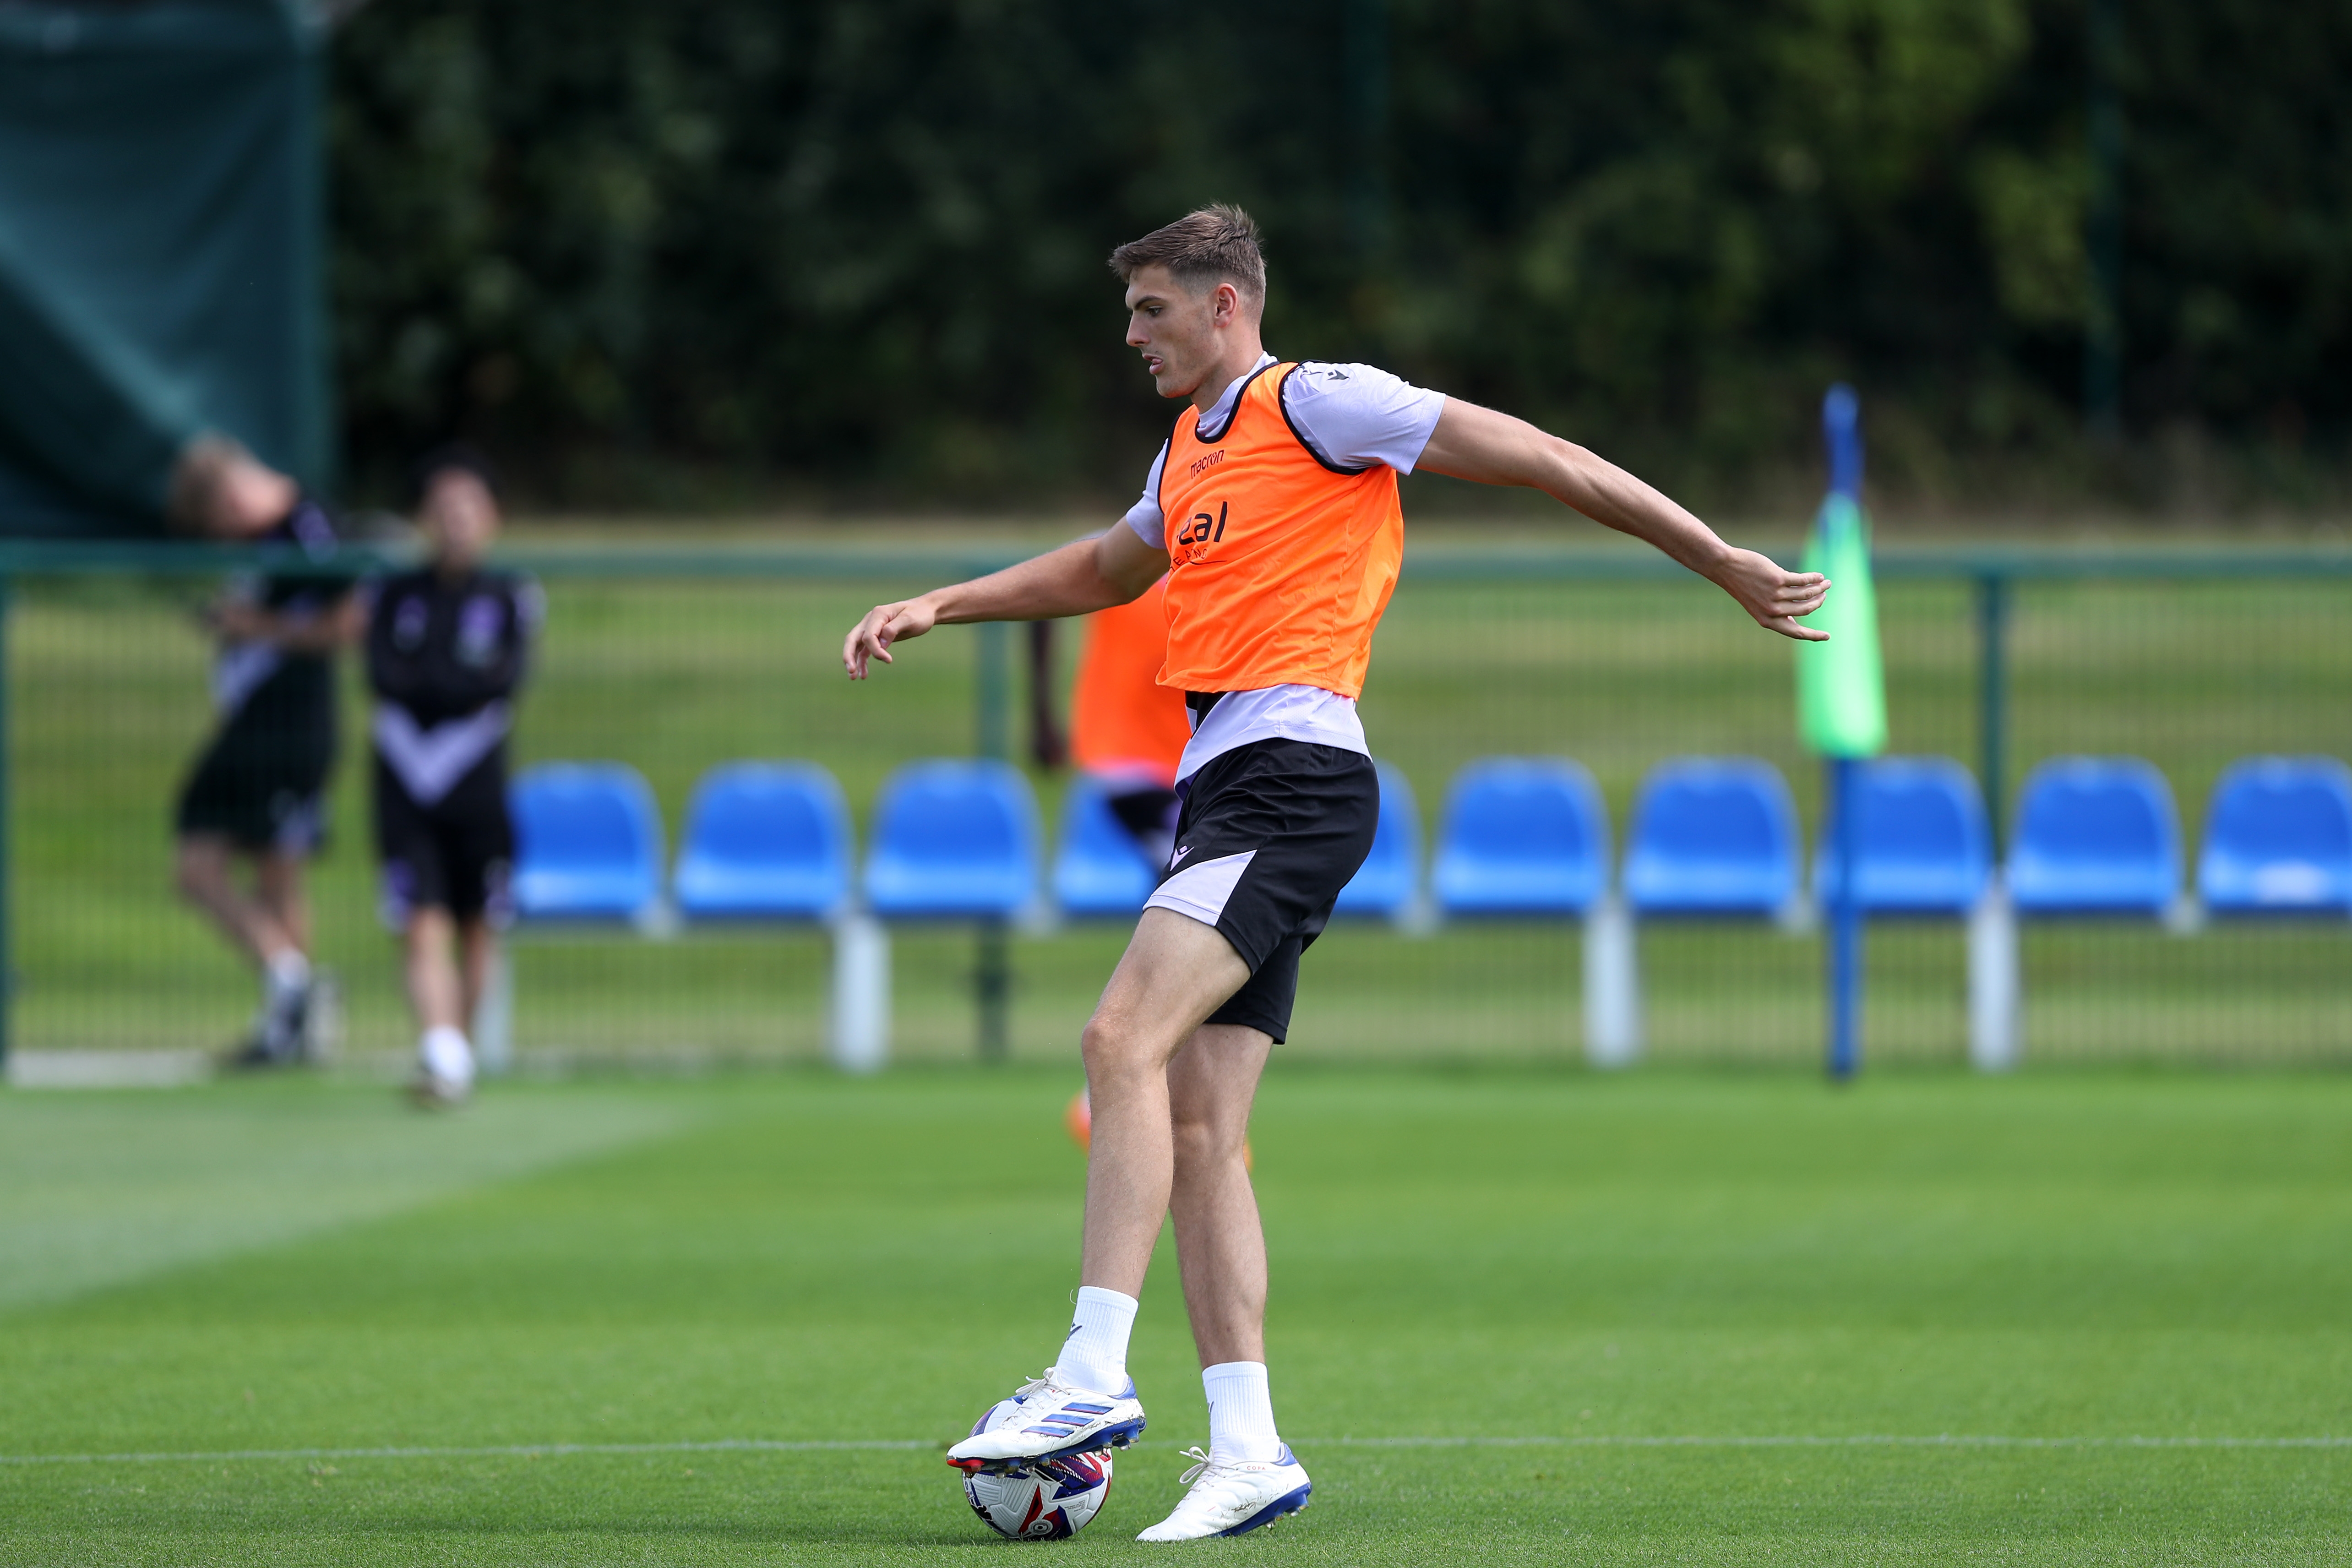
[(1201, 890)]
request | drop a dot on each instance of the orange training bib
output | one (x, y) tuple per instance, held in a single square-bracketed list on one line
[(1280, 564)]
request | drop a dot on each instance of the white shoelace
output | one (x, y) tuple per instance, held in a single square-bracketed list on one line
[(1042, 1381)]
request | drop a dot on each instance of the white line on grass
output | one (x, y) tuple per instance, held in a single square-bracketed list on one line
[(1857, 1440), (510, 1451), (1595, 1440)]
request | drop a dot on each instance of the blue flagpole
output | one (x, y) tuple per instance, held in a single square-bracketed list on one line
[(1842, 428), (1845, 922)]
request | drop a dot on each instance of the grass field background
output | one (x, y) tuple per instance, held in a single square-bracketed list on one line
[(108, 704), (1518, 1315)]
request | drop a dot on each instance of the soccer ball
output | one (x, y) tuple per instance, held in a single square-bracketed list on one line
[(1048, 1502), (1051, 1501)]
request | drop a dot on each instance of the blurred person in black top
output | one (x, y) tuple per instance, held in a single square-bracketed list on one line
[(258, 791), (446, 646)]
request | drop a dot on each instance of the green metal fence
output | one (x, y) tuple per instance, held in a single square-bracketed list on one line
[(674, 661)]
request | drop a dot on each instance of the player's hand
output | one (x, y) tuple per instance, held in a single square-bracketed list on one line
[(884, 625), (1775, 595)]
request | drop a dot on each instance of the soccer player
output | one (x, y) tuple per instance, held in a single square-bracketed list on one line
[(446, 646), (258, 793), (1273, 508)]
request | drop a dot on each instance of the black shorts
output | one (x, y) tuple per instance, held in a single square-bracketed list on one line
[(1269, 834), (457, 854), (261, 784)]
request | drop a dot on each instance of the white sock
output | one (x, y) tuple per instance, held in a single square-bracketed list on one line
[(447, 1056), (1095, 1355), (285, 973), (1241, 1412)]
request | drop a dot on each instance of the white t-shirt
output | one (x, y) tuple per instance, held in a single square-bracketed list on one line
[(1351, 416)]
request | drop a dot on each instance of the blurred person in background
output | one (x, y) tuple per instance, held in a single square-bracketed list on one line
[(1127, 732), (447, 648), (258, 793)]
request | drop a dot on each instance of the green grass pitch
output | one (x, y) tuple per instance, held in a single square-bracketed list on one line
[(1667, 1318)]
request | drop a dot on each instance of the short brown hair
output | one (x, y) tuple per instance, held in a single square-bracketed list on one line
[(1206, 248)]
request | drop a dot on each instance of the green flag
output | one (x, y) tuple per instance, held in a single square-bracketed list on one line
[(1840, 685)]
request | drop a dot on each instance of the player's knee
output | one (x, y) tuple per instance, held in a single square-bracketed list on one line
[(1201, 1140), (428, 926), (1196, 1136), (194, 872), (1111, 1050)]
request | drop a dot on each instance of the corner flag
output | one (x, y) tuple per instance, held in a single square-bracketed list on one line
[(1841, 709), (1840, 684)]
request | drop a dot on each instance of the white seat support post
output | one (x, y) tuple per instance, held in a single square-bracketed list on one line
[(1993, 984), (494, 1015), (860, 1019), (1613, 986)]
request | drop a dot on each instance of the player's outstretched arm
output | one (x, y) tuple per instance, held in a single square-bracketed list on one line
[(1492, 449), (1082, 576)]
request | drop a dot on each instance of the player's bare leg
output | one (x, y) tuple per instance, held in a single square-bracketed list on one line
[(432, 984), (205, 869), (1220, 1242), (1175, 973), (205, 872), (1248, 1477), (437, 990), (278, 887)]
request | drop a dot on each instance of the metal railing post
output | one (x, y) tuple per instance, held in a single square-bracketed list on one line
[(1993, 967), (992, 972), (1992, 701), (7, 859), (2103, 226)]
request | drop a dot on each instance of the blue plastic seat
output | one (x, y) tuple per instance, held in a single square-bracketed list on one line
[(1926, 849), (764, 841), (2278, 838), (1390, 879), (953, 840), (588, 843), (1521, 835), (1098, 868), (2096, 836), (1712, 835)]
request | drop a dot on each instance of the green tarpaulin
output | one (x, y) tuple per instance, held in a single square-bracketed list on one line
[(160, 267)]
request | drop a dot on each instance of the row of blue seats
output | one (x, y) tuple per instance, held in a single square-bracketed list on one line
[(1518, 837)]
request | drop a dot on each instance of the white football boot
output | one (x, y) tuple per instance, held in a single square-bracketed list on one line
[(1235, 1499), (428, 1090), (1052, 1420)]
